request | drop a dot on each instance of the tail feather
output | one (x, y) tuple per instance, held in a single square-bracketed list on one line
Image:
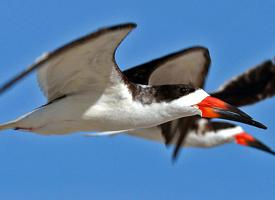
[(8, 125)]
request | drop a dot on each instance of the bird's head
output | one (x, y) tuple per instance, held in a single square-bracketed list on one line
[(200, 103)]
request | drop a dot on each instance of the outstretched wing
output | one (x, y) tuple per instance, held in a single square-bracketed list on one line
[(250, 87), (189, 66), (85, 64)]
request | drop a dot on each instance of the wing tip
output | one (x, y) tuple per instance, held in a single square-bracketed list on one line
[(128, 25), (205, 52)]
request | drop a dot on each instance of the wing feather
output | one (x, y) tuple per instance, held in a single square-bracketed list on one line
[(253, 86), (186, 66), (85, 64)]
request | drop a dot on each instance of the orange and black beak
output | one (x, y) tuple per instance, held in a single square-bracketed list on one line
[(247, 140), (215, 108)]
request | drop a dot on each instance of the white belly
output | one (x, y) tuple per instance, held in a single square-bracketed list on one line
[(83, 113), (193, 139)]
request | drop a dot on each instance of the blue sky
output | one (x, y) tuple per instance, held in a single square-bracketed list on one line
[(239, 35)]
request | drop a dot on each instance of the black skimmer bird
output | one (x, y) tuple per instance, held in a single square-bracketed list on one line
[(86, 91), (190, 66)]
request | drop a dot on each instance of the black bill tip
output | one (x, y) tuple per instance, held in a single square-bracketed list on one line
[(258, 124), (261, 146), (238, 117)]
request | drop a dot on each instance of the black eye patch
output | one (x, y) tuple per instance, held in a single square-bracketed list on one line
[(170, 92), (184, 90)]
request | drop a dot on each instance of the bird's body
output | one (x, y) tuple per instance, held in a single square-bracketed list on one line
[(207, 134), (115, 110), (86, 91), (203, 136)]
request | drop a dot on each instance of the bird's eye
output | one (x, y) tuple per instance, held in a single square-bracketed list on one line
[(184, 90)]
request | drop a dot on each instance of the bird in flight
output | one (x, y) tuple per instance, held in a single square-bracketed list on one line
[(191, 66), (86, 91)]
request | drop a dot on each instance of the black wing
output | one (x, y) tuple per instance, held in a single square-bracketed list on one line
[(189, 66), (250, 87)]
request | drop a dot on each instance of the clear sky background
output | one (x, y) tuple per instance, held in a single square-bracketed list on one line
[(239, 34)]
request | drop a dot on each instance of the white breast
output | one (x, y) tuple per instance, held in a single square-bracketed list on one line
[(193, 139), (211, 138), (114, 110)]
